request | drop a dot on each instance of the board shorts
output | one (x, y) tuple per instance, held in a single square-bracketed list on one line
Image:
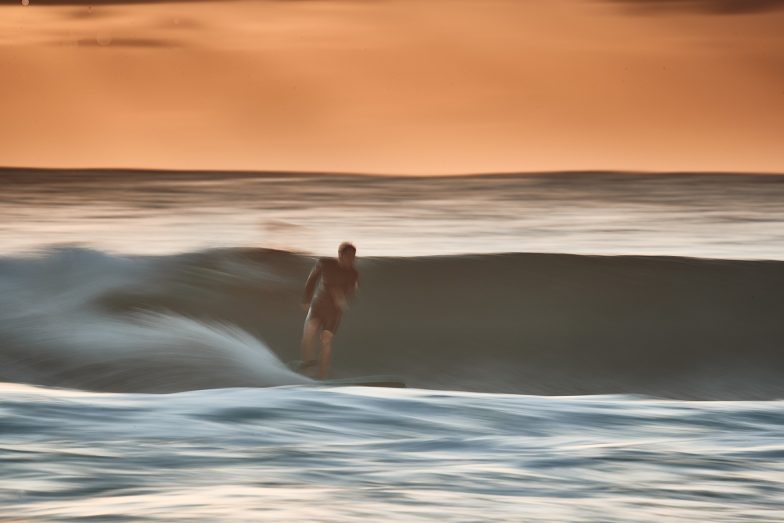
[(328, 314)]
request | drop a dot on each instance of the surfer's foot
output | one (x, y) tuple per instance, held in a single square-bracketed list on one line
[(308, 364)]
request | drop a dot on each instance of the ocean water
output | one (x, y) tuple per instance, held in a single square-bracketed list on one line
[(702, 215), (578, 347), (353, 454)]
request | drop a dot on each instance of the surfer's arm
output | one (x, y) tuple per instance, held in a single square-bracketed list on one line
[(310, 286)]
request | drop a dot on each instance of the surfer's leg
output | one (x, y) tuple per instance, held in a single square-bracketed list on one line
[(309, 333), (326, 353)]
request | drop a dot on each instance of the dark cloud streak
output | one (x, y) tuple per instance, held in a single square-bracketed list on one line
[(719, 7), (98, 3), (125, 42), (725, 7)]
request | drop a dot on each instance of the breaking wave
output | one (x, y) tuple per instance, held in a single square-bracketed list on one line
[(524, 323)]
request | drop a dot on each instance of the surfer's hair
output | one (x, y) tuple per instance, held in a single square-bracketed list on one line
[(347, 247)]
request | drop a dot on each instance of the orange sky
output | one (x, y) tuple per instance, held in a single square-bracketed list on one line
[(392, 86)]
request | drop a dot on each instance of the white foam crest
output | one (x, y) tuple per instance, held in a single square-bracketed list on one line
[(55, 336), (153, 352), (62, 280)]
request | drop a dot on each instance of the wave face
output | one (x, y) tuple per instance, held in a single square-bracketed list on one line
[(523, 323)]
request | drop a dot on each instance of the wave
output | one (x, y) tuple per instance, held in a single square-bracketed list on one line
[(56, 330), (523, 322)]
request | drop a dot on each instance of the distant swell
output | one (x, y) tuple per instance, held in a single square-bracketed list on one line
[(523, 323)]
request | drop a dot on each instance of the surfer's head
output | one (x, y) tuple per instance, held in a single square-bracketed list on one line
[(346, 254)]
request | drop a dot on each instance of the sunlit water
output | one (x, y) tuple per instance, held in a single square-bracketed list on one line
[(714, 216), (358, 454)]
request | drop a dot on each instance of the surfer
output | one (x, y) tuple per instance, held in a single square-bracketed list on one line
[(325, 304)]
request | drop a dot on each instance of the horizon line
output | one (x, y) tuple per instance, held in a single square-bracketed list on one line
[(248, 172)]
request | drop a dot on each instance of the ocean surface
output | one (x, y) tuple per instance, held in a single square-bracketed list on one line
[(147, 212), (577, 346)]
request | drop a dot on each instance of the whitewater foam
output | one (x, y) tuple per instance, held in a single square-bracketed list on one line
[(55, 331)]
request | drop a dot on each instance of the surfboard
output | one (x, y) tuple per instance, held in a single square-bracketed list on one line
[(393, 382), (358, 381)]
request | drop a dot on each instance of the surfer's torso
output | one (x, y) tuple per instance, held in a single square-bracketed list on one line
[(336, 280), (333, 281), (336, 285)]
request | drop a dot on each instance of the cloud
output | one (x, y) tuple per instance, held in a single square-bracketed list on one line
[(724, 7), (105, 41), (85, 14), (706, 6), (98, 3)]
